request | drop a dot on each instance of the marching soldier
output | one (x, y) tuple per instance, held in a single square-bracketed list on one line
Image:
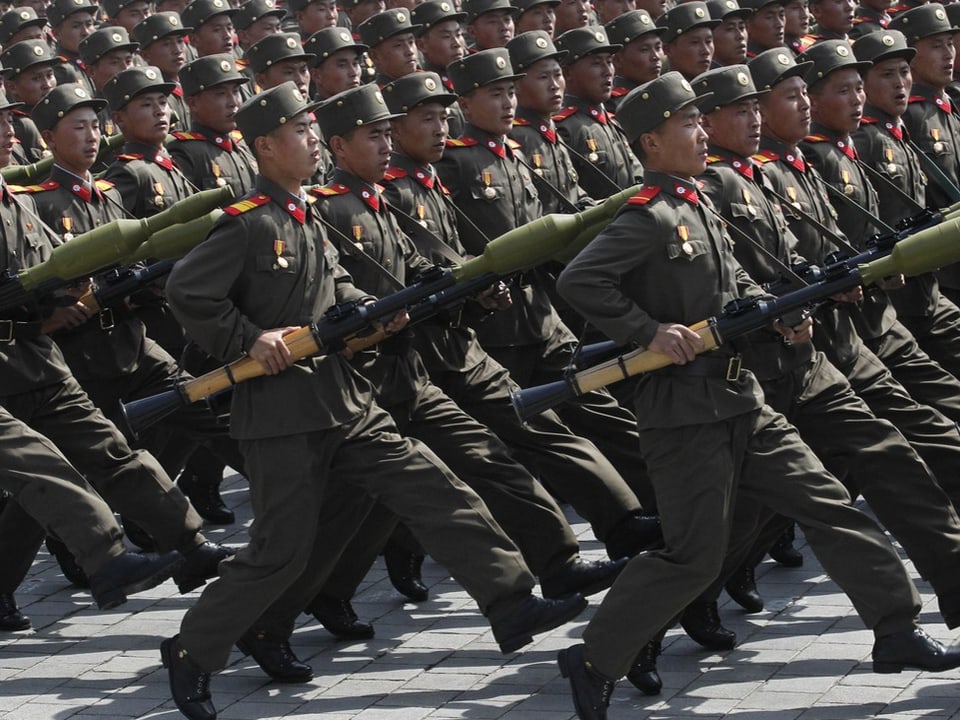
[(536, 15), (162, 45), (126, 13), (312, 15), (337, 434), (688, 42), (19, 24), (833, 20), (796, 26), (730, 36), (356, 11), (640, 57), (336, 63), (254, 21), (489, 23), (871, 16), (279, 58), (212, 23), (392, 44), (28, 69), (604, 163), (70, 22), (766, 27), (440, 40), (105, 53), (572, 14)]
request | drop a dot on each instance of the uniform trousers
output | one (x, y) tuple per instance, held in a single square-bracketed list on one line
[(938, 334), (298, 532), (697, 472)]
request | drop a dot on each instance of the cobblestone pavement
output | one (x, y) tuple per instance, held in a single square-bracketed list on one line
[(805, 657)]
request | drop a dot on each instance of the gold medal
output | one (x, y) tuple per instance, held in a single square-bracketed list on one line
[(687, 248), (593, 157), (282, 262), (278, 246), (158, 201), (849, 189), (938, 147), (421, 214), (891, 168), (221, 182), (489, 193)]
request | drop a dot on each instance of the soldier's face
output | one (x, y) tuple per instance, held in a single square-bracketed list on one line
[(838, 101), (214, 36), (339, 72), (608, 10), (216, 107), (735, 127), (442, 44), (933, 63), (134, 13), (834, 15), (491, 107), (280, 72), (421, 133), (396, 56), (572, 14), (168, 53), (290, 153), (591, 77), (269, 25), (766, 27), (317, 15), (492, 29), (364, 10), (73, 29), (32, 32), (797, 18), (102, 71), (75, 140), (640, 60), (541, 89), (145, 119), (730, 41), (888, 85), (692, 52), (678, 146), (539, 17), (32, 84), (6, 137), (785, 111), (366, 153)]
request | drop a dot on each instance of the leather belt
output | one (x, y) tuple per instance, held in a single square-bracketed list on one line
[(10, 330), (728, 367)]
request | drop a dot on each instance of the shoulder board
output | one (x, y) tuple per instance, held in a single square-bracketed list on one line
[(817, 138), (765, 156), (565, 113), (619, 91), (394, 173), (514, 145), (648, 193), (331, 190), (242, 63), (523, 122), (179, 135), (808, 41), (462, 142), (42, 187), (711, 159), (868, 120), (242, 206), (104, 184), (916, 98), (130, 156), (236, 135)]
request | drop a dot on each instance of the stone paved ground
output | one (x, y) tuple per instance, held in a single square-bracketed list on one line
[(806, 657)]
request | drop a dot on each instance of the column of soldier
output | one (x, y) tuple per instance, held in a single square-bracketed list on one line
[(360, 160)]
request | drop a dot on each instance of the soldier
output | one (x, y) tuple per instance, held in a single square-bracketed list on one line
[(489, 23), (70, 22), (929, 118), (796, 26), (440, 40), (871, 16), (536, 15), (730, 36), (705, 432), (609, 10), (313, 423), (640, 58), (312, 15), (766, 27), (28, 75), (126, 13), (210, 155), (212, 26), (392, 43), (254, 21), (604, 163), (833, 19), (279, 58), (688, 42), (162, 45), (335, 65), (19, 24), (572, 14), (105, 53), (357, 11)]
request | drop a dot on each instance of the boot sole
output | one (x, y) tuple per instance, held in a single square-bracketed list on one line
[(118, 596), (512, 644)]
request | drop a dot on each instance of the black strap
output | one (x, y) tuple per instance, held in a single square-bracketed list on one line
[(349, 248)]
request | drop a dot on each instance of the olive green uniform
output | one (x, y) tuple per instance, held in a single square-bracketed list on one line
[(210, 159)]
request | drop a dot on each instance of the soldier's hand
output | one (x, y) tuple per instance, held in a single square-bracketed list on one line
[(850, 296), (397, 323), (800, 333), (892, 282), (496, 297), (677, 342), (71, 316), (271, 352)]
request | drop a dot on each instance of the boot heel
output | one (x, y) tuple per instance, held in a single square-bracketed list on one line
[(884, 667)]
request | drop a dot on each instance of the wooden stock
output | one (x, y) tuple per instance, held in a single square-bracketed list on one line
[(88, 299)]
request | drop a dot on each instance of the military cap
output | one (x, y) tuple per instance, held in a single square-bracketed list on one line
[(433, 12), (377, 28), (253, 10), (270, 109), (924, 21), (199, 11), (476, 8), (723, 9), (527, 48), (353, 108), (583, 41), (59, 10), (883, 45), (416, 88), (157, 26), (98, 43), (756, 5), (274, 48), (684, 18), (480, 68), (727, 85), (6, 104), (324, 43), (828, 56), (62, 100), (25, 54), (776, 65), (113, 7), (127, 84), (630, 26), (13, 21), (524, 5), (646, 107), (297, 5), (953, 13), (209, 71)]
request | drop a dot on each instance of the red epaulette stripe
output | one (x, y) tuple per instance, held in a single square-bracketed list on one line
[(181, 135), (394, 173), (462, 142), (619, 91), (916, 98), (522, 122), (242, 206), (514, 145), (130, 156), (765, 156), (330, 190), (648, 193), (565, 113), (868, 120), (817, 138), (104, 184)]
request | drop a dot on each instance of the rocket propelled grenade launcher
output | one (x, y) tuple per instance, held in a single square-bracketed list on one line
[(919, 253)]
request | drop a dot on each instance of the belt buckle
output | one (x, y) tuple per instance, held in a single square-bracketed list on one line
[(733, 369), (6, 331), (106, 319)]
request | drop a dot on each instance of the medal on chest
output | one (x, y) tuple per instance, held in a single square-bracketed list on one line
[(278, 247)]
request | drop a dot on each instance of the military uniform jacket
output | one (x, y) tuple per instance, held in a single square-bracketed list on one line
[(30, 360), (550, 160), (621, 88), (267, 264), (868, 20), (72, 70), (599, 145), (496, 192), (881, 143), (664, 259), (110, 344), (360, 211), (210, 159), (796, 180), (147, 179), (934, 127), (418, 192), (735, 187), (455, 119), (179, 110), (34, 147), (835, 157)]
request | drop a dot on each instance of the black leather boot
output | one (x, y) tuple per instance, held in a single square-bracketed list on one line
[(275, 657), (339, 618), (632, 535), (403, 568), (742, 587), (189, 685), (68, 563), (591, 692), (701, 620), (783, 550), (535, 615), (203, 491), (11, 619), (128, 574), (913, 649), (643, 675), (199, 565), (582, 576)]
